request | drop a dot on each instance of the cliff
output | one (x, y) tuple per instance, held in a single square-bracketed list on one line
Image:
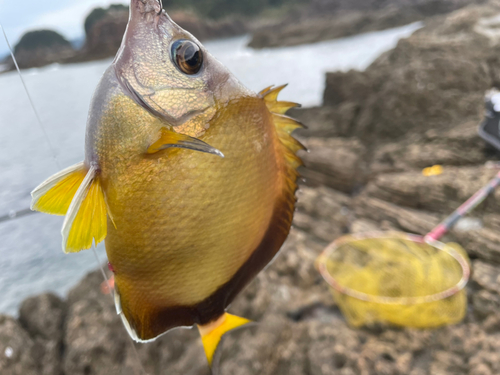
[(331, 19)]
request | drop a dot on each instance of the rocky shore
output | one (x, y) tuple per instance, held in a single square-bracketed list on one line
[(417, 105), (331, 19), (104, 29)]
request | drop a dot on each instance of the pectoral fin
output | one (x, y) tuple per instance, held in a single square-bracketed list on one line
[(86, 220), (169, 138), (55, 194)]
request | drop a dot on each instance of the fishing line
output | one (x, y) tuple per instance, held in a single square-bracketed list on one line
[(134, 349), (52, 150)]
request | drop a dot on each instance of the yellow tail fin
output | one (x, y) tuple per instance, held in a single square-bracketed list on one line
[(212, 333), (86, 220), (54, 195)]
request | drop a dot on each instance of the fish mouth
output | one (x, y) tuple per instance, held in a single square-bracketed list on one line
[(146, 6)]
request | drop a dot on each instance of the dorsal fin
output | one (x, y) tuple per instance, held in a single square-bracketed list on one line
[(86, 220), (285, 126)]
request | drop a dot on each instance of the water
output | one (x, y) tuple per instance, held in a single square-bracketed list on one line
[(31, 260)]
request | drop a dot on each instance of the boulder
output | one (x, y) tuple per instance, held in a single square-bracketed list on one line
[(441, 194), (94, 339), (335, 162), (19, 354), (41, 47), (43, 316), (446, 65), (323, 212)]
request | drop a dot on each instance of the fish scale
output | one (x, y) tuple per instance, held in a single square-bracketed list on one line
[(188, 176)]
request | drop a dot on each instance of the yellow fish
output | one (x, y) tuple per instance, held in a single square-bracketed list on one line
[(188, 176)]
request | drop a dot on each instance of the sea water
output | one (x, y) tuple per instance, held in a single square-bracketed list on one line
[(31, 257)]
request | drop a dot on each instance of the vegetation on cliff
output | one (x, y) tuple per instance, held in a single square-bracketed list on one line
[(40, 39), (100, 13), (222, 8)]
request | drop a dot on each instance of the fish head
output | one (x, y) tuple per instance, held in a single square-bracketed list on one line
[(167, 70)]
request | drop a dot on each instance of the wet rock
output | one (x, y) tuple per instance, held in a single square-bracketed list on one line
[(326, 121), (352, 86), (323, 212), (335, 162), (483, 243), (412, 221), (486, 275), (43, 316), (459, 146), (443, 193), (19, 355), (94, 337), (485, 303)]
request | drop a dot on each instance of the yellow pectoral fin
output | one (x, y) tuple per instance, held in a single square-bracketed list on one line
[(86, 220), (54, 195), (169, 138), (212, 333)]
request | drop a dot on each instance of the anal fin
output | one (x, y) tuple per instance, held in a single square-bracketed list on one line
[(169, 138)]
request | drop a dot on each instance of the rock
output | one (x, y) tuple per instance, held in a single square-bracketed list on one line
[(444, 65), (326, 121), (323, 212), (408, 220), (486, 275), (346, 87), (335, 162), (483, 243), (104, 29), (19, 355), (330, 19), (43, 316), (39, 48), (206, 29), (94, 339), (485, 303), (442, 194), (459, 146)]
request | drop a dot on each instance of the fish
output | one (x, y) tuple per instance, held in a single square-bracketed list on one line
[(189, 178)]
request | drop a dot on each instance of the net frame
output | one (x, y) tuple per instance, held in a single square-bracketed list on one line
[(460, 285)]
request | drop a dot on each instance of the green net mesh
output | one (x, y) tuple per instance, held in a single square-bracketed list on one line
[(397, 279)]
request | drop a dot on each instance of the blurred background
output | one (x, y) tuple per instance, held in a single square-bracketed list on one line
[(389, 87)]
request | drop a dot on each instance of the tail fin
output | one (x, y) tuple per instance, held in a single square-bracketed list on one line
[(75, 192), (212, 333), (55, 194)]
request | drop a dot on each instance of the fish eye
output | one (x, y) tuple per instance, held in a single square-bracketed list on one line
[(187, 56)]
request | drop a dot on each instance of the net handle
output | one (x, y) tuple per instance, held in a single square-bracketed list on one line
[(321, 265), (463, 210)]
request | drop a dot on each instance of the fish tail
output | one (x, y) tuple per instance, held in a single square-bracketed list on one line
[(212, 333)]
